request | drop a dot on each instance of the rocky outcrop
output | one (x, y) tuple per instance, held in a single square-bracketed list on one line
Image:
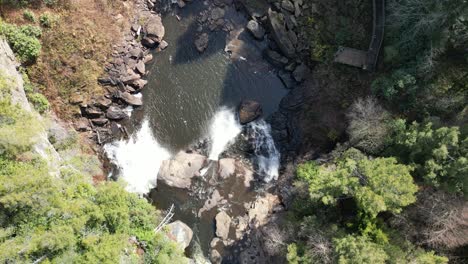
[(8, 71), (154, 31), (280, 34), (249, 110), (223, 223), (180, 233), (179, 171)]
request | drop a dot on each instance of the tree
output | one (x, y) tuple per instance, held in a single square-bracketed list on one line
[(440, 155), (359, 250), (377, 185), (368, 126)]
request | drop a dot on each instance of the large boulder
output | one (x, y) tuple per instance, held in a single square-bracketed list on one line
[(179, 171), (180, 233), (154, 30), (226, 167), (259, 210), (201, 42), (249, 110), (280, 33), (116, 113), (223, 223), (131, 99), (256, 29)]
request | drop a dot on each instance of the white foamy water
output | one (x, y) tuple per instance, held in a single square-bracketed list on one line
[(138, 159), (223, 131), (267, 157)]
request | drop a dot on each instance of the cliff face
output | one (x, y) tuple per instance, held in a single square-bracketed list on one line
[(9, 70)]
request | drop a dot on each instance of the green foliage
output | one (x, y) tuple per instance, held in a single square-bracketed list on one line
[(16, 121), (39, 101), (47, 20), (376, 185), (398, 85), (29, 15), (70, 219), (23, 40), (359, 250), (440, 155)]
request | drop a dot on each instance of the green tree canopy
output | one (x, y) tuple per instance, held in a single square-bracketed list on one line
[(440, 155), (377, 185)]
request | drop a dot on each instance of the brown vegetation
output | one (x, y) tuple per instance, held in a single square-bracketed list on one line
[(75, 48)]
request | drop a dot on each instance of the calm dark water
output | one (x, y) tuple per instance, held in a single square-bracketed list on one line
[(186, 88)]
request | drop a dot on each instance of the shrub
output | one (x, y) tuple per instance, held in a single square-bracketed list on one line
[(23, 41), (368, 125), (29, 15), (359, 249), (47, 20), (39, 101)]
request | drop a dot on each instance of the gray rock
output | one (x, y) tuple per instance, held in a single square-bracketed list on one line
[(226, 168), (223, 223), (82, 125), (163, 45), (180, 233), (140, 67), (179, 171), (301, 72), (148, 57), (287, 5), (116, 113), (130, 78), (217, 13), (136, 53), (139, 84), (93, 112), (103, 102), (275, 58), (131, 99), (280, 34), (154, 29), (249, 110), (201, 42), (181, 3), (256, 29), (100, 121), (286, 79), (214, 200), (215, 257)]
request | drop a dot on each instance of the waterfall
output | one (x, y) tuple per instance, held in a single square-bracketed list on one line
[(267, 157), (223, 131), (138, 159)]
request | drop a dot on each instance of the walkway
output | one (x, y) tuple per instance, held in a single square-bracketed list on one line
[(362, 59)]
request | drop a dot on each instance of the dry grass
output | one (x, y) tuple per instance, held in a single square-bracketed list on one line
[(75, 49)]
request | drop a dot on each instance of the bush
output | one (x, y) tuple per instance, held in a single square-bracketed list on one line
[(29, 15), (23, 41), (47, 20), (39, 101), (359, 249), (368, 125)]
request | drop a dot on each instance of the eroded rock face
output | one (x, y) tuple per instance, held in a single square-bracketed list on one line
[(223, 223), (179, 171), (249, 110), (180, 233), (280, 33)]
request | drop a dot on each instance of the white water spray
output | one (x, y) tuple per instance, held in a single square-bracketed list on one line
[(267, 156), (138, 159), (223, 131)]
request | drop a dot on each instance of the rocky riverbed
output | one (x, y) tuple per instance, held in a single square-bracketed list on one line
[(232, 201)]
